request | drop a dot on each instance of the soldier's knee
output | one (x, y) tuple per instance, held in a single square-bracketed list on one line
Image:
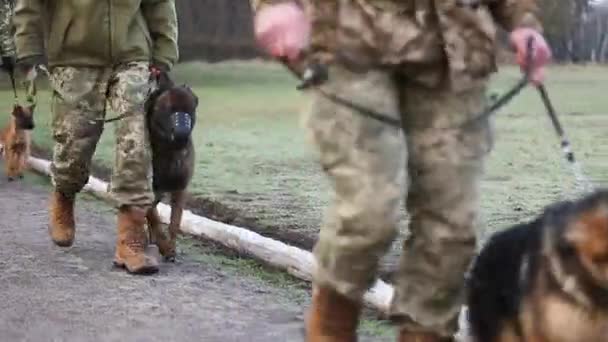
[(375, 220)]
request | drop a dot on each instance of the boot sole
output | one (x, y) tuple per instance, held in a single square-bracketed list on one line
[(146, 270)]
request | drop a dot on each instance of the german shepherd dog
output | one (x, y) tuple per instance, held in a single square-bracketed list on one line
[(171, 115), (546, 280), (16, 140)]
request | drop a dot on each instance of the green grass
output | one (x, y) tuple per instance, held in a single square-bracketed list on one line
[(252, 153)]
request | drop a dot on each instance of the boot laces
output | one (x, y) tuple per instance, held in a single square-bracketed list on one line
[(136, 243)]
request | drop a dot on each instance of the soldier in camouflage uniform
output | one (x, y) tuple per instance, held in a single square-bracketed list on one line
[(100, 53), (7, 43), (425, 63)]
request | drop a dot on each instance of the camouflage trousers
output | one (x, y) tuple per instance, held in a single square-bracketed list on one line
[(80, 98), (368, 163)]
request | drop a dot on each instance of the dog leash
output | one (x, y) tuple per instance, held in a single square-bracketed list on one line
[(154, 77), (315, 74), (565, 144), (29, 83), (11, 75)]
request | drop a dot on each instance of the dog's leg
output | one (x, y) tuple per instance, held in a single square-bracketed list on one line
[(178, 199), (10, 166), (22, 165), (159, 237)]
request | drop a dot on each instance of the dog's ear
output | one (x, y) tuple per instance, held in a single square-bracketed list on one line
[(185, 86), (589, 232), (164, 81), (17, 111)]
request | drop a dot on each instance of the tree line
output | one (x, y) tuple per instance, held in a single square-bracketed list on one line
[(215, 30)]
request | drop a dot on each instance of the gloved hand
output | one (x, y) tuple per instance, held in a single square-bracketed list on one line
[(25, 65), (8, 63), (541, 53), (283, 30)]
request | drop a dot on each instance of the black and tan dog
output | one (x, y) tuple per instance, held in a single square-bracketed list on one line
[(16, 142), (547, 280), (171, 115)]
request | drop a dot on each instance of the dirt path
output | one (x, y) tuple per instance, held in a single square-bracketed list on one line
[(75, 294)]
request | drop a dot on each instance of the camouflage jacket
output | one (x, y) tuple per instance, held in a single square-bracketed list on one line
[(7, 43), (96, 32), (427, 40)]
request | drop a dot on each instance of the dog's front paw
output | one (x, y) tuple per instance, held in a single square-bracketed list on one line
[(169, 258), (10, 179), (166, 249), (21, 176)]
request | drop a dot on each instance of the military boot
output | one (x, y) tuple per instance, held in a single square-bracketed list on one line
[(406, 336), (132, 242), (62, 226), (332, 317)]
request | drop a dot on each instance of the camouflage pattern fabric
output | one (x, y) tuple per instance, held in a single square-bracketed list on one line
[(368, 163), (80, 97), (429, 41), (96, 33), (7, 42)]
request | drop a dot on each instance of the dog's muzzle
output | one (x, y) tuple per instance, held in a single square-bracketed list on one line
[(182, 127)]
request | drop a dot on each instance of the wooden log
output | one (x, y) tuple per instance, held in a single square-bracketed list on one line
[(295, 261)]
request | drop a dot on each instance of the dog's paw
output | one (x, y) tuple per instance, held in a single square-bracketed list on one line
[(10, 179), (21, 176), (169, 258)]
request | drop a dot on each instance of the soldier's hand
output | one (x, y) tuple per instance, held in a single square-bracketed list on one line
[(26, 65), (283, 30), (541, 53), (8, 63), (156, 68)]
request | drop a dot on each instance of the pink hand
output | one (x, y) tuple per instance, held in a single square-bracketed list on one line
[(541, 53), (283, 30)]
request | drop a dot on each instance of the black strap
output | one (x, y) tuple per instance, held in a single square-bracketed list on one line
[(315, 74), (11, 75), (154, 76)]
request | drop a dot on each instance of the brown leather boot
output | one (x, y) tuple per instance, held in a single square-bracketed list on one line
[(62, 226), (132, 241), (332, 317), (406, 336)]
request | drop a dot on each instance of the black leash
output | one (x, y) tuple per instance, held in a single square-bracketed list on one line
[(30, 85), (315, 74), (11, 75), (565, 142), (153, 77)]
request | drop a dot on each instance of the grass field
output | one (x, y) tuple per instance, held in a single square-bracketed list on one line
[(252, 154)]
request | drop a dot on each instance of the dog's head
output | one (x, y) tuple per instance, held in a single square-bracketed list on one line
[(584, 237), (171, 112), (24, 116)]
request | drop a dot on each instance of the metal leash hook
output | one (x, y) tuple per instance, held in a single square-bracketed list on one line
[(315, 74), (564, 141)]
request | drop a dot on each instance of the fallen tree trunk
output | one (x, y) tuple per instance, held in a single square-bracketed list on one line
[(295, 261)]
